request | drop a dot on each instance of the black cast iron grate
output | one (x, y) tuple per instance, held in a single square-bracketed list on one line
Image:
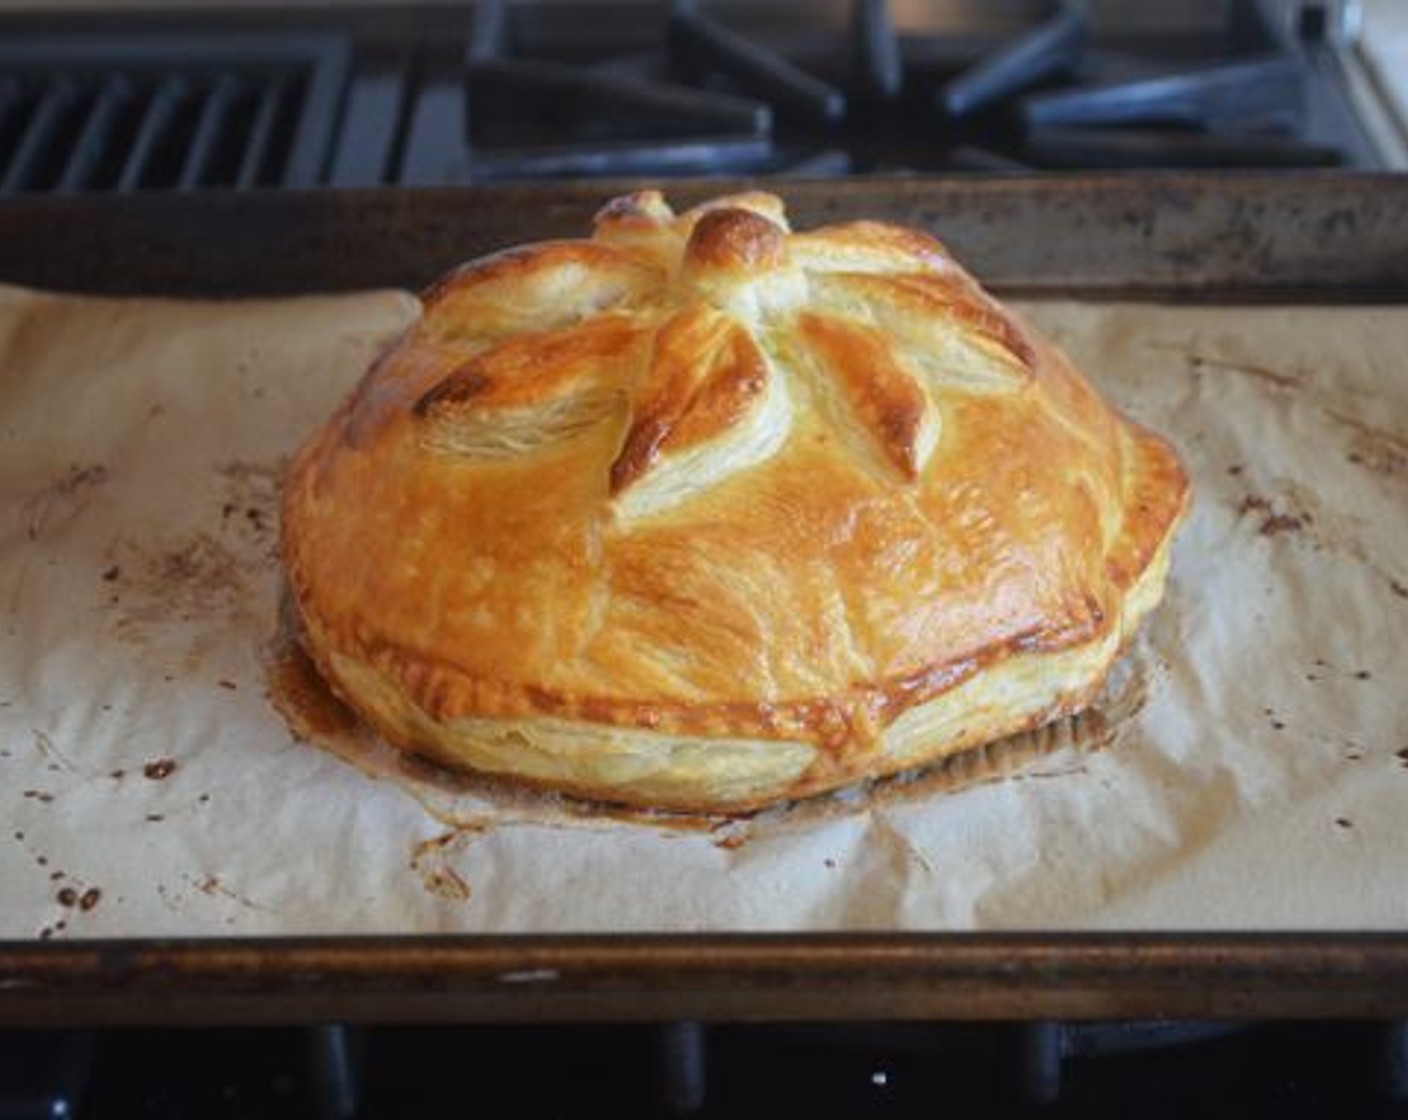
[(168, 112), (715, 98), (333, 1072), (502, 91)]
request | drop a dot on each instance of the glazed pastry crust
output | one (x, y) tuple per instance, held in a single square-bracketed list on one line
[(701, 514)]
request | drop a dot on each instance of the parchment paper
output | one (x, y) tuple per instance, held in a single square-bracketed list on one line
[(1250, 769)]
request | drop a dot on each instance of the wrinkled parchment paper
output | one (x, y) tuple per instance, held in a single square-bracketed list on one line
[(1251, 769)]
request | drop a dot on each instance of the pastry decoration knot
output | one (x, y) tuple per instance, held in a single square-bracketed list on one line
[(699, 339)]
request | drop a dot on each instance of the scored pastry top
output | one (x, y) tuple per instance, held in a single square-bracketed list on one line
[(686, 321)]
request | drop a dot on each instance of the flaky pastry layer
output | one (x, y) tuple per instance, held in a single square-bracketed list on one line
[(701, 514)]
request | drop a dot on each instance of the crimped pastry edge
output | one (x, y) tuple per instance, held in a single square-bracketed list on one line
[(693, 774)]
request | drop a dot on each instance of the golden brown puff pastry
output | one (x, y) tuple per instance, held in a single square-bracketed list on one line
[(701, 514)]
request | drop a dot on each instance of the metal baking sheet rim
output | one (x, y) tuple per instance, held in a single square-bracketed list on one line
[(1312, 236), (1325, 236), (772, 977)]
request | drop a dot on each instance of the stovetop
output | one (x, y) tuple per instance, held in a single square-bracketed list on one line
[(1151, 1069), (408, 96), (497, 91)]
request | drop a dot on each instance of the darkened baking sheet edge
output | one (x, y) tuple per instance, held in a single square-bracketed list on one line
[(1322, 237), (736, 977), (1326, 238)]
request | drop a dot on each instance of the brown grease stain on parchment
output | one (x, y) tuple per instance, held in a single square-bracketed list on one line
[(1378, 450), (1296, 511), (470, 804), (207, 576), (213, 887), (433, 859), (63, 499)]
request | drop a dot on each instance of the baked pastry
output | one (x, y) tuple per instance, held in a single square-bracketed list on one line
[(701, 514)]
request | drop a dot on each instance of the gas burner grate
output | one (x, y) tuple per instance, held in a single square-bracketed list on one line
[(1051, 48), (154, 112), (710, 98), (516, 92), (1164, 1068)]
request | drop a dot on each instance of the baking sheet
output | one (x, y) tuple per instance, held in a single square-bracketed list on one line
[(1250, 769)]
